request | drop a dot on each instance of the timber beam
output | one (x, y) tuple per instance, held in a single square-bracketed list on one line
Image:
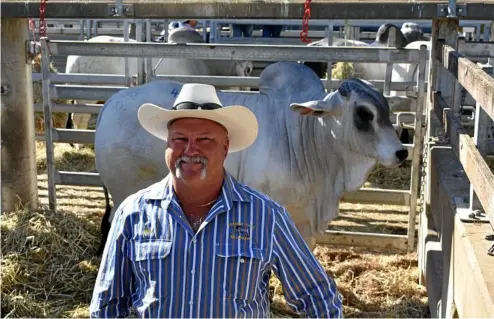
[(261, 9)]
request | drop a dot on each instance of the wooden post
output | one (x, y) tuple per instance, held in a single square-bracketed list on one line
[(19, 183)]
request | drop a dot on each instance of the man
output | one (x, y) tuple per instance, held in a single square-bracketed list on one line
[(199, 243)]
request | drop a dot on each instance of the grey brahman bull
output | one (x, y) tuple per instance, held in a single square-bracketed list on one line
[(311, 148)]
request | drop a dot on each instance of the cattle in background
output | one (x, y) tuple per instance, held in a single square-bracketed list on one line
[(365, 70), (312, 147), (166, 66), (413, 32)]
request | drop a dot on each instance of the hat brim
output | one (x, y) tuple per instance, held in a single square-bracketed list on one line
[(239, 121)]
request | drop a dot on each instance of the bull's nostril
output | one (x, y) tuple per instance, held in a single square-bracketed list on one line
[(402, 155)]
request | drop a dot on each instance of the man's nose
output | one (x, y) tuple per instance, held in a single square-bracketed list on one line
[(191, 149)]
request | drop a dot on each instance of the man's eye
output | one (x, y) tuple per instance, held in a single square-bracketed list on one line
[(181, 139)]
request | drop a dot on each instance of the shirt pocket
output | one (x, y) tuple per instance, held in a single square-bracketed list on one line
[(241, 268), (151, 263)]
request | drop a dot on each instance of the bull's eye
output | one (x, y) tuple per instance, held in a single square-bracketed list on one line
[(363, 118)]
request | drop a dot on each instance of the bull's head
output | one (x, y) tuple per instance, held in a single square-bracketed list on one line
[(357, 115)]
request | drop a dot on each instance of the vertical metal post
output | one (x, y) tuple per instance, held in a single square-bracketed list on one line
[(88, 28), (430, 132), (50, 160), (139, 60), (329, 70), (417, 147), (213, 32), (95, 25), (389, 66), (451, 8), (166, 30), (490, 60), (149, 61), (458, 91), (19, 184), (205, 30), (126, 59), (81, 32)]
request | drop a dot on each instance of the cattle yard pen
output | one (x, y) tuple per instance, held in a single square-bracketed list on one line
[(458, 206), (236, 52)]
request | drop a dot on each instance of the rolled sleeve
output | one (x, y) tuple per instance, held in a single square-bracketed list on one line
[(112, 290), (306, 286)]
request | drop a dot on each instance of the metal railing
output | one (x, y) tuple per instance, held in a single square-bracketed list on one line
[(234, 52)]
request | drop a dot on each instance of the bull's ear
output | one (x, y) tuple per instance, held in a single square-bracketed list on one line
[(332, 104)]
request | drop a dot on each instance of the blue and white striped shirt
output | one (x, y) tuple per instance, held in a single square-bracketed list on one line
[(154, 262)]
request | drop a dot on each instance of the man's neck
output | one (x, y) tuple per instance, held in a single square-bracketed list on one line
[(200, 193)]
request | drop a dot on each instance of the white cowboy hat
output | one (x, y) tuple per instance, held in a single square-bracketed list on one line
[(201, 101)]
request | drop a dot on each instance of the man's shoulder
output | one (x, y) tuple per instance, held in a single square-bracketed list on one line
[(134, 201)]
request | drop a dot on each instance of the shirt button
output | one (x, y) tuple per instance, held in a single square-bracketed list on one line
[(192, 271), (194, 240), (242, 260), (191, 302)]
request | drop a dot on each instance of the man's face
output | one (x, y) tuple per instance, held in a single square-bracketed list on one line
[(196, 149)]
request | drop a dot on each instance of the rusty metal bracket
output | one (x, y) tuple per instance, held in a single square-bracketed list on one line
[(466, 214), (443, 10), (120, 10)]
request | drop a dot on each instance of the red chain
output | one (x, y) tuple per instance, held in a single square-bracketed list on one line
[(305, 23), (42, 22)]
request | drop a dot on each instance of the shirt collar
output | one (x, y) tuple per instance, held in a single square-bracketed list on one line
[(231, 190)]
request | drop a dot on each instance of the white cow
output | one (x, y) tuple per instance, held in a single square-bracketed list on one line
[(364, 70), (413, 32), (167, 66), (311, 147)]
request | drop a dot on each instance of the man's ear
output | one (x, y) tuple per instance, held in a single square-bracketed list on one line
[(332, 104)]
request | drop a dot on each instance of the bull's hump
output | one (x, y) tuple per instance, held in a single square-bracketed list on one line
[(289, 77)]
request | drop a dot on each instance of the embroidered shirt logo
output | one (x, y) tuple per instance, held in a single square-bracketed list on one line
[(147, 232), (240, 231)]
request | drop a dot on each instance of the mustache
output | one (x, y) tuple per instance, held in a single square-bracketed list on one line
[(191, 160)]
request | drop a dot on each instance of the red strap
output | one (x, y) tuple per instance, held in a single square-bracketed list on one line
[(42, 22), (305, 23)]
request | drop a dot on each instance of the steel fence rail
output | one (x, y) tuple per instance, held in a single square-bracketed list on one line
[(257, 52)]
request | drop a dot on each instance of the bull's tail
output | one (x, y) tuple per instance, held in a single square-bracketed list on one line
[(105, 223)]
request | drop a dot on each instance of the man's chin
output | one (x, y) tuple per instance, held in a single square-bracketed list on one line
[(190, 176)]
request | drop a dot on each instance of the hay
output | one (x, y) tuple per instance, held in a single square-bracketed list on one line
[(390, 178), (48, 269), (343, 71), (59, 119), (66, 157), (374, 284)]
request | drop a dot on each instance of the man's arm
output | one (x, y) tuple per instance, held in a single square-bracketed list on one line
[(112, 290), (306, 286)]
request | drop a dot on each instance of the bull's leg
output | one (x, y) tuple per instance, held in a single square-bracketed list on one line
[(81, 120), (305, 231), (105, 223), (311, 242)]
